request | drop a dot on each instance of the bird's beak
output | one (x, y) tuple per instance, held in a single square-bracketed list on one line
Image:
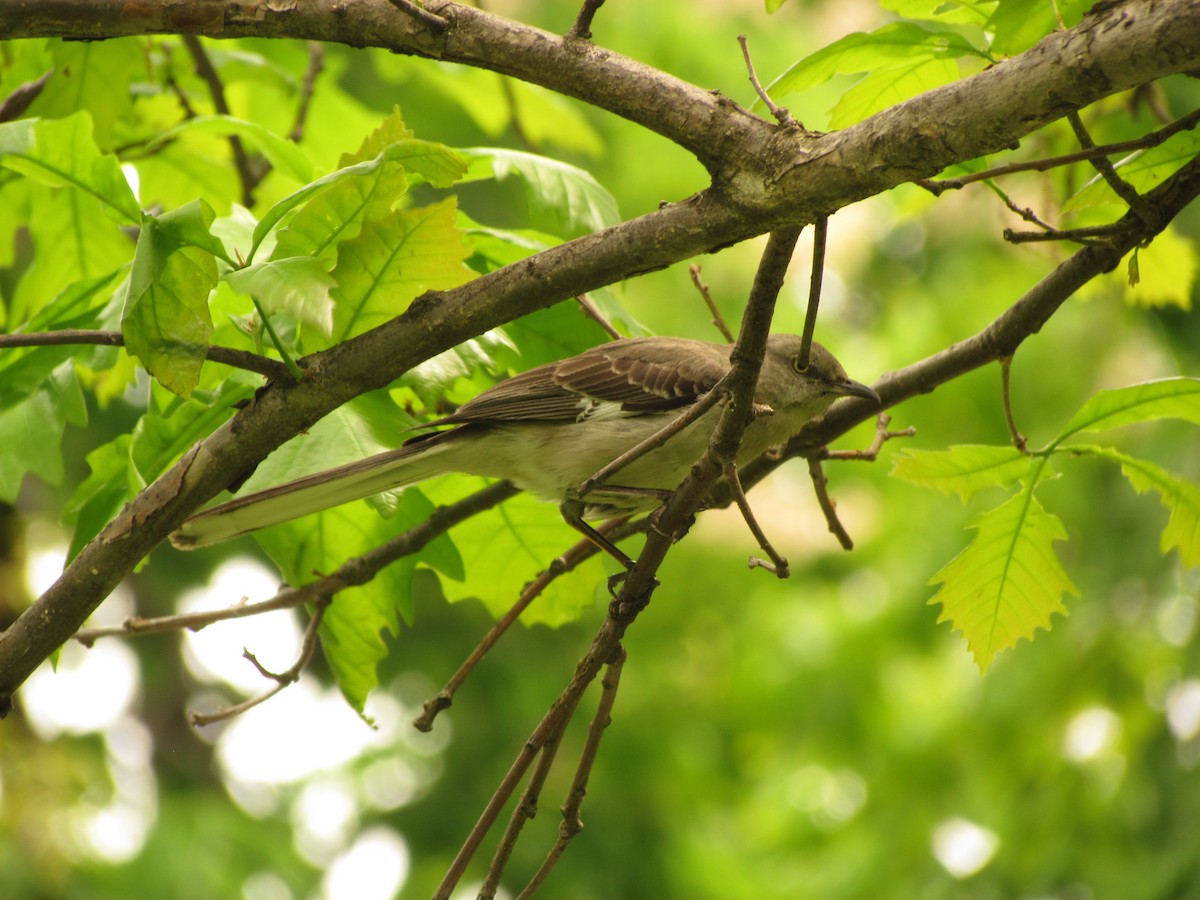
[(849, 388)]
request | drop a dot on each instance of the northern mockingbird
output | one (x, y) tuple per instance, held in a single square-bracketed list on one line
[(551, 428)]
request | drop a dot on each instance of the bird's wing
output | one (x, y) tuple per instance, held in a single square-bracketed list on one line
[(629, 377)]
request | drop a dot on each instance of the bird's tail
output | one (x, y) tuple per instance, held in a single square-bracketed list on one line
[(313, 493)]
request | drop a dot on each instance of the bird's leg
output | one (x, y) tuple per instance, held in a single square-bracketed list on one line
[(572, 513)]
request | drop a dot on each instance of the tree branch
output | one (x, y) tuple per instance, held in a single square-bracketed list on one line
[(229, 356), (766, 178)]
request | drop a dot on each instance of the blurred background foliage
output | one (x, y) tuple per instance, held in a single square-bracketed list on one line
[(816, 737)]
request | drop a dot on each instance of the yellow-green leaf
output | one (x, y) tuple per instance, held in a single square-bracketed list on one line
[(1008, 582), (1180, 497), (965, 469), (393, 261), (1168, 398)]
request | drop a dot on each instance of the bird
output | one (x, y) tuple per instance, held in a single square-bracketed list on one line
[(549, 429)]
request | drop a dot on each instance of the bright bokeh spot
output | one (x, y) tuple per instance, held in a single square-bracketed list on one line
[(962, 847), (214, 654), (1091, 733), (1183, 709), (90, 690), (374, 868)]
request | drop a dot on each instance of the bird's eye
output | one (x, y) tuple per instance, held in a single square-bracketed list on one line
[(796, 365)]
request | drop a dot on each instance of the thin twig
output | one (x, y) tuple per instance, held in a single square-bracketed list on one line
[(660, 437), (316, 64), (1090, 235), (1108, 172), (282, 680), (882, 436), (1153, 139), (1026, 213), (572, 824), (238, 359), (820, 233), (593, 312), (546, 731), (718, 320), (782, 116), (356, 571), (422, 15), (828, 506), (615, 530), (582, 28), (524, 811), (249, 173), (1018, 439), (778, 565)]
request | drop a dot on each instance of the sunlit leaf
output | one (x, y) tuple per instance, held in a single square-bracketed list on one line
[(394, 260), (890, 85), (62, 153), (1170, 398), (95, 76), (1008, 582), (1166, 272), (297, 285), (898, 42), (1017, 25), (965, 469), (1180, 497)]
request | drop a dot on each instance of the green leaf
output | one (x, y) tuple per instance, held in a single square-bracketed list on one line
[(1166, 272), (1144, 170), (560, 199), (1170, 398), (35, 429), (160, 438), (62, 153), (965, 469), (166, 323), (359, 191), (958, 11), (1017, 25), (285, 157), (1180, 497), (23, 370), (898, 42), (393, 261), (190, 224), (510, 545), (889, 85), (1008, 582), (96, 77), (102, 493), (299, 286)]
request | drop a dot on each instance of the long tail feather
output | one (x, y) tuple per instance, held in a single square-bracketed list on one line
[(313, 493)]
